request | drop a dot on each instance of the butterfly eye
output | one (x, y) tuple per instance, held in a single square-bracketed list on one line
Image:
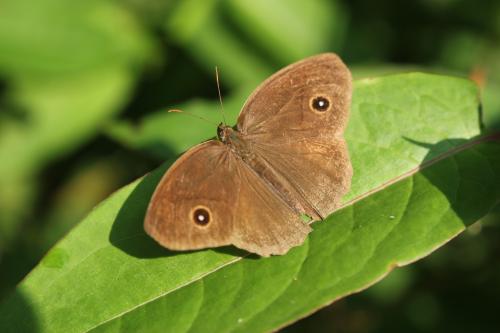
[(201, 217), (320, 103)]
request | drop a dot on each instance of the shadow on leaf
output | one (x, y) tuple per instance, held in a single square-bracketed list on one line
[(128, 232), (16, 306), (458, 166)]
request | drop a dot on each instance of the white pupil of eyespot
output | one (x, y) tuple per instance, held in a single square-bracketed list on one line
[(201, 218), (321, 103)]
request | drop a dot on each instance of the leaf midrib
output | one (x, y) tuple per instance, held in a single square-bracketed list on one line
[(423, 166)]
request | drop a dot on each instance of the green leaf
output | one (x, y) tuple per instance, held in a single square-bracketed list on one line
[(57, 116), (61, 114), (69, 67), (419, 180), (54, 37), (208, 41), (491, 105), (158, 133), (291, 29), (279, 31)]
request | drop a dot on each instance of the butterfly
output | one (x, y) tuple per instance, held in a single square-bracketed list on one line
[(285, 159)]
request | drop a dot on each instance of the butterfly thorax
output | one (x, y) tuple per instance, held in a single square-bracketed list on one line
[(234, 140), (224, 133), (237, 143)]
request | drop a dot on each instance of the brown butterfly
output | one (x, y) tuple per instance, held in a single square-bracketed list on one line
[(285, 159)]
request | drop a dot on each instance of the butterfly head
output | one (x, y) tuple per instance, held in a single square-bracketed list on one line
[(224, 133)]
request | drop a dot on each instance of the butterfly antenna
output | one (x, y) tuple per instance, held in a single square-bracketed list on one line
[(220, 95), (192, 115)]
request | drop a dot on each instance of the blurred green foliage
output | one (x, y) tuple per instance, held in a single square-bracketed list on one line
[(84, 84)]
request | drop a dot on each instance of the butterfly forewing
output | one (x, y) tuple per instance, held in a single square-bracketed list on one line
[(202, 182), (290, 104)]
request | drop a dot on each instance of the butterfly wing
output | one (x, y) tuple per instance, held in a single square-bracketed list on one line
[(318, 169), (210, 198), (295, 121), (281, 105)]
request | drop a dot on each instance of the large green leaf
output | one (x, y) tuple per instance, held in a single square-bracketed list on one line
[(420, 178)]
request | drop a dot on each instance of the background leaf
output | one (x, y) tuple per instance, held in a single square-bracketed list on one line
[(316, 26)]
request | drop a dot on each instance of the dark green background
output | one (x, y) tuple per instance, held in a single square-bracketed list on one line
[(72, 74)]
